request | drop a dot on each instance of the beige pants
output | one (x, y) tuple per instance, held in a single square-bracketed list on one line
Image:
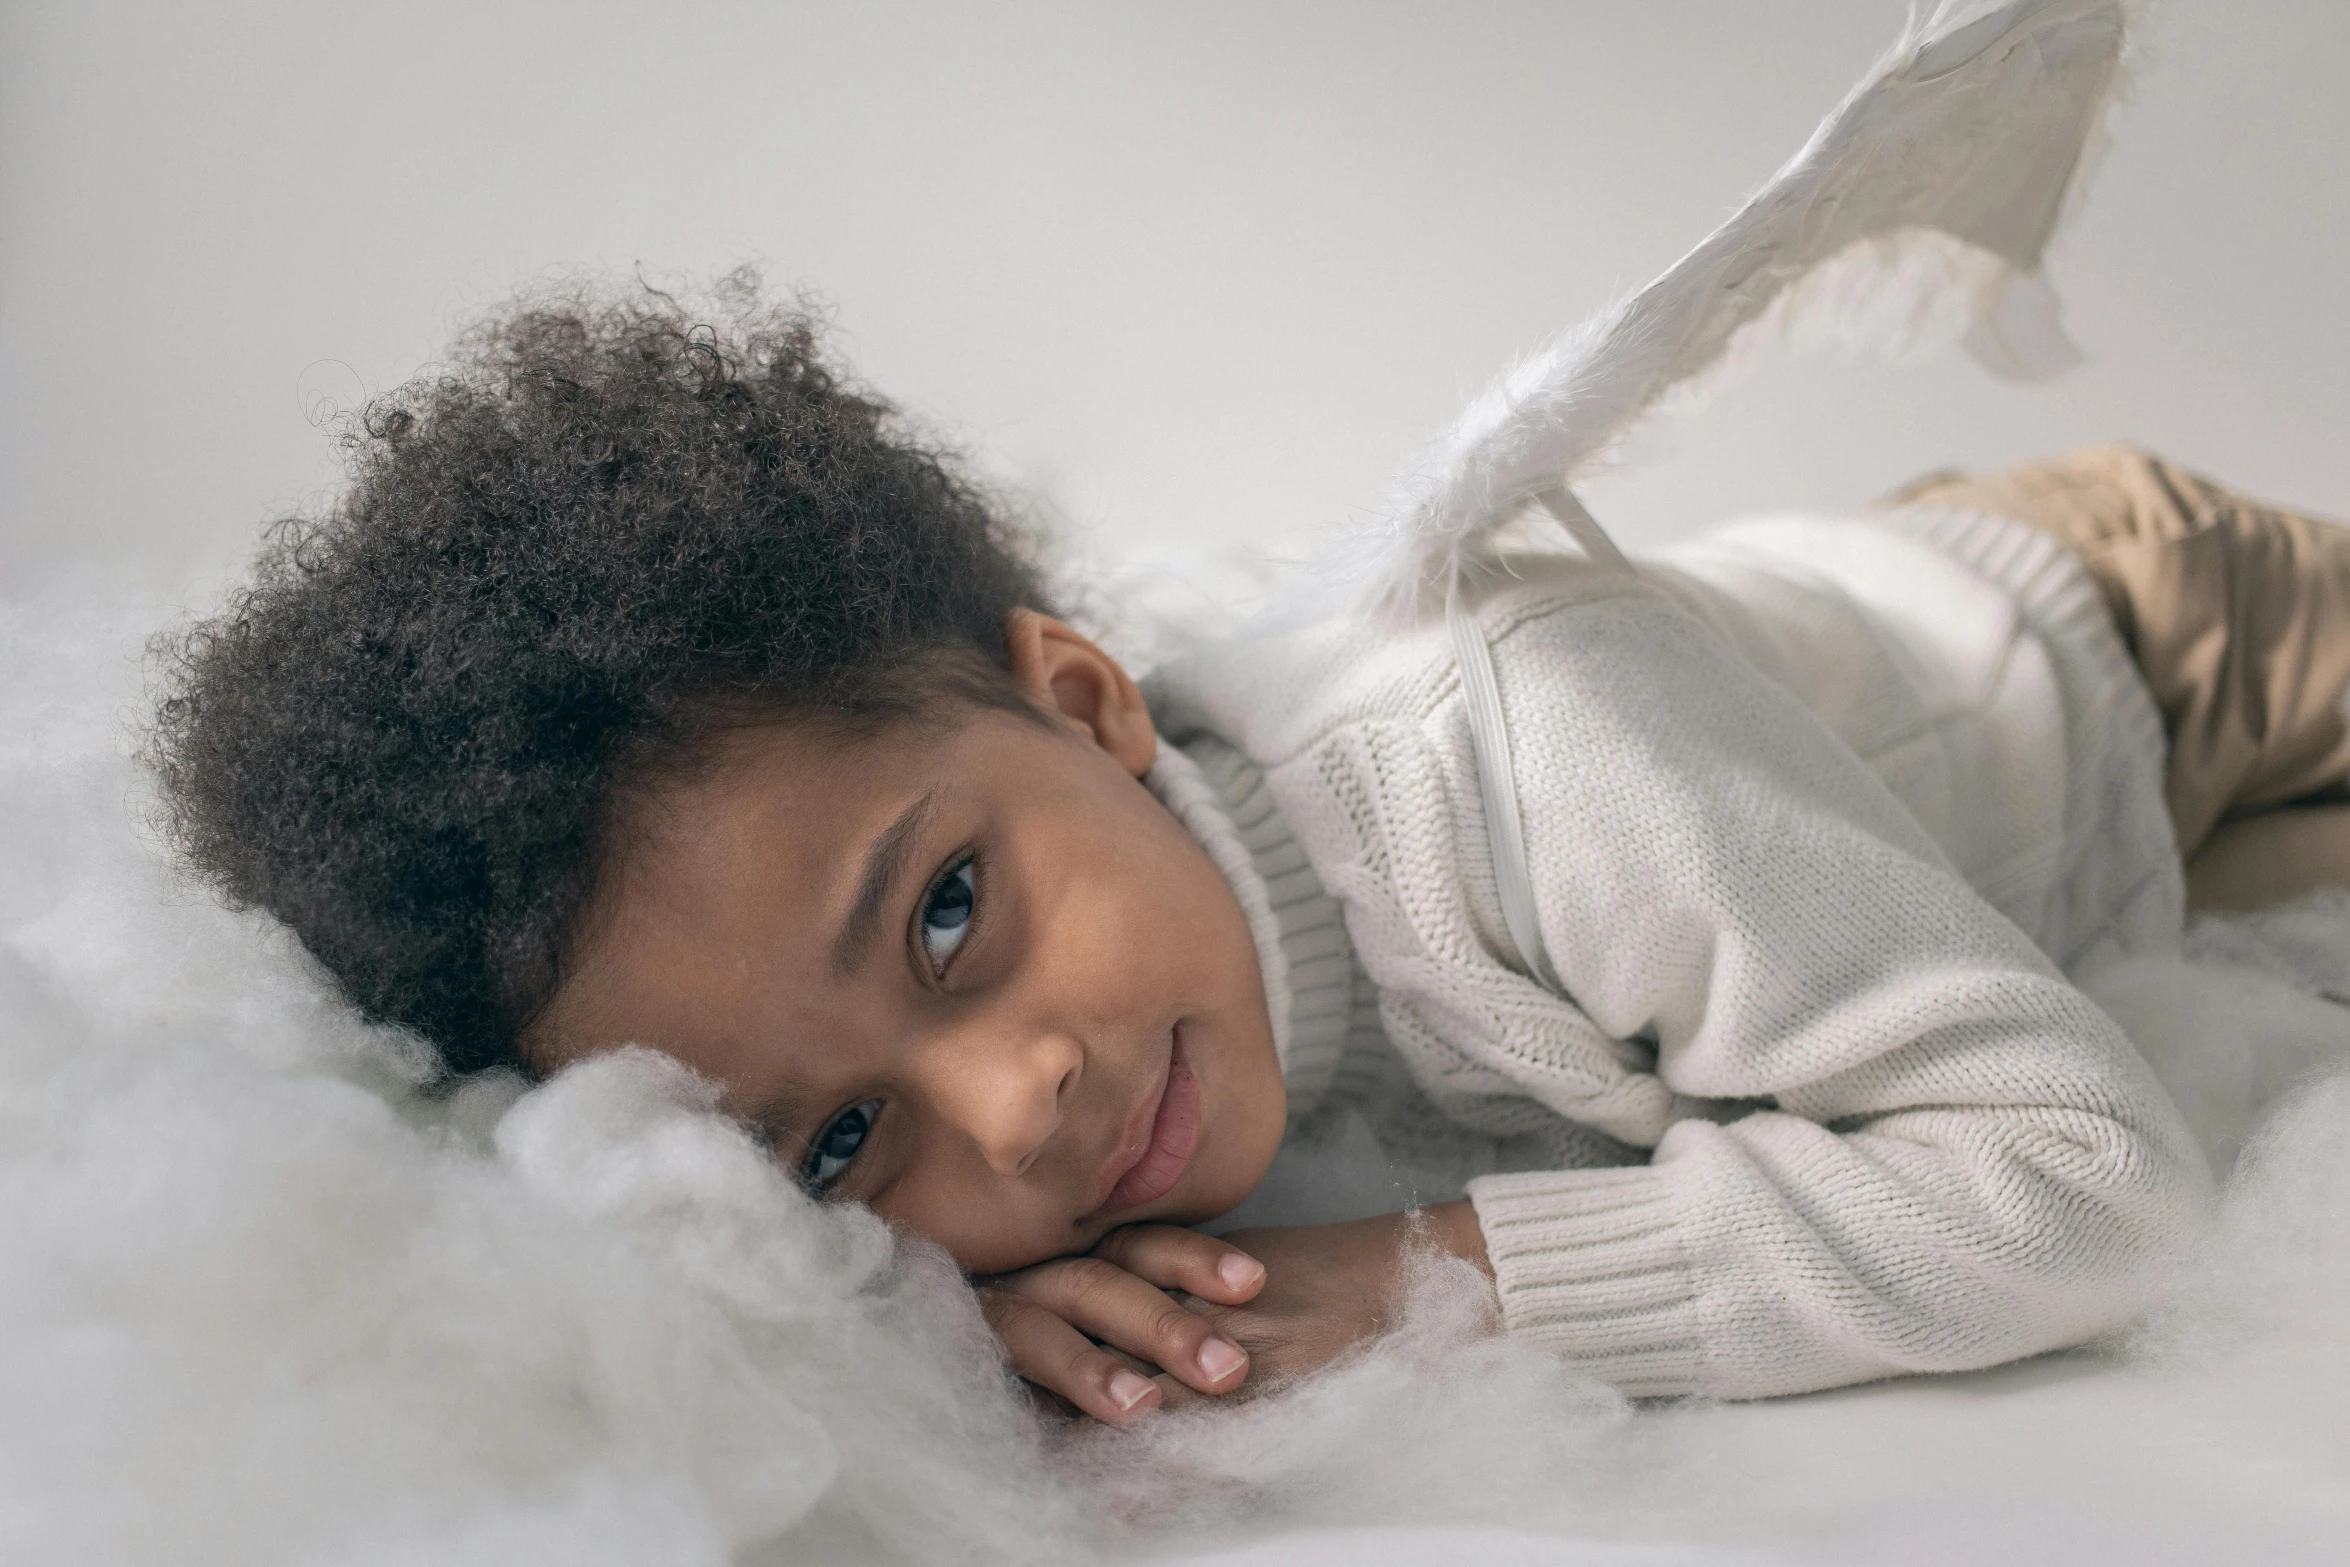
[(2238, 613)]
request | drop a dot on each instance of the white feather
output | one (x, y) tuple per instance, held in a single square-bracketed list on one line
[(1933, 189)]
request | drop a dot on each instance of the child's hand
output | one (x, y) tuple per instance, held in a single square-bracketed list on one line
[(1328, 1287), (1050, 1316), (1281, 1302)]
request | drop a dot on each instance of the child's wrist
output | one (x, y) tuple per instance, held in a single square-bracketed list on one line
[(1454, 1226)]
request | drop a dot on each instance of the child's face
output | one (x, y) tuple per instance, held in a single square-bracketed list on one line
[(978, 977)]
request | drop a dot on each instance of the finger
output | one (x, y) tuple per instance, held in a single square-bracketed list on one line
[(1104, 1301), (1178, 1259), (1048, 1352)]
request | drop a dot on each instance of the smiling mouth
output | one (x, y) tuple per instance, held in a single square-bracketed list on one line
[(1173, 1137)]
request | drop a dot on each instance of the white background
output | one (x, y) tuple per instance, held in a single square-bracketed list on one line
[(1192, 273)]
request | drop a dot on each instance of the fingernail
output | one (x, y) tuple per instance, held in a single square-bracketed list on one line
[(1239, 1272), (1128, 1390), (1220, 1359)]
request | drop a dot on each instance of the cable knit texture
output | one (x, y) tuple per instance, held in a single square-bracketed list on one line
[(1807, 805)]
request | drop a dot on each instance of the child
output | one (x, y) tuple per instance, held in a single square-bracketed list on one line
[(645, 686), (1695, 932)]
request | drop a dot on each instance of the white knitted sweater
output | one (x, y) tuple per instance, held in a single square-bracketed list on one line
[(1814, 810)]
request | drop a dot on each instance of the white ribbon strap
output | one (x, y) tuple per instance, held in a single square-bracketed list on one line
[(1497, 787), (1568, 512)]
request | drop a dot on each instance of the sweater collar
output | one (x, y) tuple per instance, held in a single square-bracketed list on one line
[(1300, 934)]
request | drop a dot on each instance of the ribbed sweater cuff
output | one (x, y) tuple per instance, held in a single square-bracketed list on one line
[(1589, 1264)]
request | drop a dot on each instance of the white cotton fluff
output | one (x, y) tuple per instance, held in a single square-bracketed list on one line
[(2271, 1289), (2267, 1006), (263, 1299)]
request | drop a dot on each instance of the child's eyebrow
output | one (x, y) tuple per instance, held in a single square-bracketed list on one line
[(881, 869)]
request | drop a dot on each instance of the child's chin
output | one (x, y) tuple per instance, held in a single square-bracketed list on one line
[(1224, 1190)]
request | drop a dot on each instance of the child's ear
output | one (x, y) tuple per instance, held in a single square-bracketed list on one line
[(1067, 675)]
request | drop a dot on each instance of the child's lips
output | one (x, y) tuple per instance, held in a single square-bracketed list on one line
[(1166, 1151)]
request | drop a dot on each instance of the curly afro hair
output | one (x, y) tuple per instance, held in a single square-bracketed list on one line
[(605, 530)]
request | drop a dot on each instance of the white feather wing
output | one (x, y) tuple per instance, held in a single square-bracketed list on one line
[(1974, 129)]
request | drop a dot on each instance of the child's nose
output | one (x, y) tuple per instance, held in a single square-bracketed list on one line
[(1007, 1095)]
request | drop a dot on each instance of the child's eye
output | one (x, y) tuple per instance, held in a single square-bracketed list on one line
[(837, 1144), (946, 914)]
